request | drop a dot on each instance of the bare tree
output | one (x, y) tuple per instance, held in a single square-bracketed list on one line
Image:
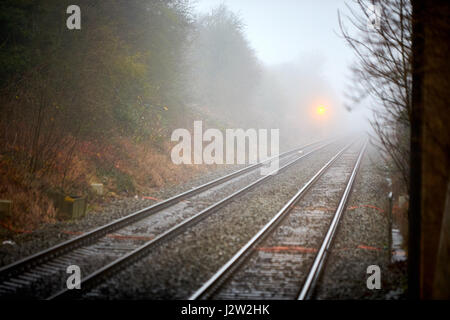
[(383, 72)]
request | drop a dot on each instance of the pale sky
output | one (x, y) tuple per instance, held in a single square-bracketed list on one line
[(286, 30), (281, 29)]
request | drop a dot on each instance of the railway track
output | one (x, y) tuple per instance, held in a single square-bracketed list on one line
[(285, 258), (176, 268), (43, 275)]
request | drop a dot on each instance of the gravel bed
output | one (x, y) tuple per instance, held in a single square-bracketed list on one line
[(279, 264), (362, 240), (27, 244), (16, 246), (158, 223), (178, 267), (110, 247)]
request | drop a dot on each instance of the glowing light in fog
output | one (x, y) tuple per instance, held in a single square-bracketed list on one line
[(320, 110)]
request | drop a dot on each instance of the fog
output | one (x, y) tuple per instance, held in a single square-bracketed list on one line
[(302, 64), (100, 98)]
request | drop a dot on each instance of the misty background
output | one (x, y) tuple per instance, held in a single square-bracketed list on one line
[(99, 105), (302, 63)]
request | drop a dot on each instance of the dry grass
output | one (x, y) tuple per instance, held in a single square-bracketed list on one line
[(152, 168), (31, 207), (146, 168)]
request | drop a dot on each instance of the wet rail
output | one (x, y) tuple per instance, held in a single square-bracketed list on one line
[(114, 267), (38, 275), (275, 262)]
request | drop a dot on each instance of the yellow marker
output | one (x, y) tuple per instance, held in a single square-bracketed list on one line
[(69, 199)]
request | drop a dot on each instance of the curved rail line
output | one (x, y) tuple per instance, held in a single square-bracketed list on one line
[(89, 237), (112, 268), (214, 284)]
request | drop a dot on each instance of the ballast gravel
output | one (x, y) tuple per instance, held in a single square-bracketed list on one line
[(19, 246), (362, 241), (178, 267)]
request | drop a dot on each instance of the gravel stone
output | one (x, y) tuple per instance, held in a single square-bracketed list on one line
[(178, 267), (362, 240)]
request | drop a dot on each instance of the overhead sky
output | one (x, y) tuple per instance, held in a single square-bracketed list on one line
[(279, 30), (282, 31)]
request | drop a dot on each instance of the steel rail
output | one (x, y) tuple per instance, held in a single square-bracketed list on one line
[(317, 266), (110, 269), (216, 281), (89, 237)]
